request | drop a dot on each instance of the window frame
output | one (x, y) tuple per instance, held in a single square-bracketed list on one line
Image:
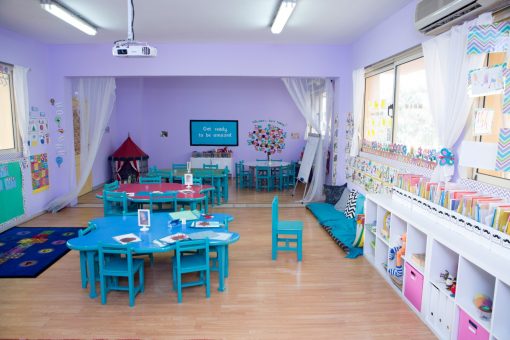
[(13, 152), (391, 63)]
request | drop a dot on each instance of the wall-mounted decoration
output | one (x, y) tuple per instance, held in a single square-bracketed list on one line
[(426, 158), (489, 38), (506, 95), (483, 122), (11, 193), (213, 132), (163, 134), (38, 131), (59, 160), (60, 144), (503, 157), (267, 137), (294, 135), (39, 169), (486, 81)]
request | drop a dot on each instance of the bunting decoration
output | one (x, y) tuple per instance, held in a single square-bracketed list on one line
[(503, 157), (489, 38)]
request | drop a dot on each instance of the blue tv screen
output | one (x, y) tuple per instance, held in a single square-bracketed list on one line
[(213, 132)]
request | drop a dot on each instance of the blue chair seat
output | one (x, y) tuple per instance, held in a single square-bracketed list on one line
[(288, 228), (290, 225), (117, 266)]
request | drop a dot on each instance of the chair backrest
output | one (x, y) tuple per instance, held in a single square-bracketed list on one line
[(111, 186), (153, 170), (150, 180), (179, 166), (276, 160), (262, 170), (210, 166), (118, 250), (197, 180), (187, 246), (274, 213), (91, 227), (110, 197), (261, 160), (163, 197)]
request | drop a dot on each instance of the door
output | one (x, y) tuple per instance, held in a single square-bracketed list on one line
[(76, 126)]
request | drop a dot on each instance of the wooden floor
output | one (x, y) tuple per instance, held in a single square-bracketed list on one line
[(324, 297)]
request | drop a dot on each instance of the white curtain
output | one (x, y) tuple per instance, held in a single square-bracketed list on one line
[(96, 97), (307, 94), (358, 92), (20, 86), (447, 65)]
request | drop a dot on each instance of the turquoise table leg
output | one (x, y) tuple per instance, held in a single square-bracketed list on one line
[(91, 274), (193, 205), (217, 185), (225, 188), (221, 268)]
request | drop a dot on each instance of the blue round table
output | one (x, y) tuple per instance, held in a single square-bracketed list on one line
[(109, 227)]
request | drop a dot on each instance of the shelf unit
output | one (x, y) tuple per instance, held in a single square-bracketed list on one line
[(479, 269)]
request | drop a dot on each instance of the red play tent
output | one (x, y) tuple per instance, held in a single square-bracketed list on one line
[(128, 162)]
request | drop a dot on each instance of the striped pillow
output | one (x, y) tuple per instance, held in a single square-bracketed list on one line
[(350, 208)]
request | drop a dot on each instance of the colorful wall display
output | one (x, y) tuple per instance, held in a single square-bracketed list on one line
[(39, 170), (60, 144), (486, 81), (11, 191), (503, 156), (37, 128), (489, 38), (267, 137), (483, 122)]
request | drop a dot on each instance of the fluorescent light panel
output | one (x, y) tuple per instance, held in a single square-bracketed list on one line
[(283, 15), (68, 16)]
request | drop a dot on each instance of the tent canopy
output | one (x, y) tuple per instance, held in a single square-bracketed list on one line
[(129, 150)]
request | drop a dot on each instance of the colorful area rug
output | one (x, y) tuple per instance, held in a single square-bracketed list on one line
[(27, 252)]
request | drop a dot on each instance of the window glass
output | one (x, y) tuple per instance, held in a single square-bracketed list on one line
[(7, 132), (378, 125), (414, 125)]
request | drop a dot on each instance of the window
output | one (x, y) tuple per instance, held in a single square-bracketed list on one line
[(493, 102), (8, 130), (396, 103)]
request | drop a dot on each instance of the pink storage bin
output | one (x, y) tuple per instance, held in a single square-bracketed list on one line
[(413, 286), (469, 329)]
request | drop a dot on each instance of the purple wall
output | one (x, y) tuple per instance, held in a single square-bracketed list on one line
[(22, 51), (147, 105)]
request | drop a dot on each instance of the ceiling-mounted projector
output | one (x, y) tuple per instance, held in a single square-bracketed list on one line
[(130, 47)]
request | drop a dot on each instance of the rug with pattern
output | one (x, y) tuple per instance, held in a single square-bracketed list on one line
[(27, 251)]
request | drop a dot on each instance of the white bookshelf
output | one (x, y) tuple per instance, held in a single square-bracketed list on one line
[(479, 268)]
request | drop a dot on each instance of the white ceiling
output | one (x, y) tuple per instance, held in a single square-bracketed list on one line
[(202, 21)]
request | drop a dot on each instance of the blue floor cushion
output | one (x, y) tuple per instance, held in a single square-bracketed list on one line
[(325, 212), (344, 233)]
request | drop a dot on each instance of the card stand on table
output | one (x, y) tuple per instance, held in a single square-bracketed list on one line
[(500, 322), (471, 281)]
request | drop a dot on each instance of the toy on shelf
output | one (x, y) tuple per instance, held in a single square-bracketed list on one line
[(450, 282), (398, 252), (484, 305), (385, 230)]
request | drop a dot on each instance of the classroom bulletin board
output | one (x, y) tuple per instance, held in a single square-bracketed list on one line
[(11, 191)]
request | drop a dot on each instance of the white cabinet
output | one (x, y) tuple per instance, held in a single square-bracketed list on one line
[(435, 245), (198, 162)]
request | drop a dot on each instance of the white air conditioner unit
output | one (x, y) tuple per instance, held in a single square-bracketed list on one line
[(437, 16)]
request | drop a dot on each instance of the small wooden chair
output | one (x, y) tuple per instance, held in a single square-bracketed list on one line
[(191, 256), (160, 198), (117, 261), (114, 203), (263, 178), (289, 232)]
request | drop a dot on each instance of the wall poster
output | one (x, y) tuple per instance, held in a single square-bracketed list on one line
[(39, 170)]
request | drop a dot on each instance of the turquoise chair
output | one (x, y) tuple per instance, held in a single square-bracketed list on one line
[(160, 198), (282, 177), (179, 166), (210, 166), (243, 177), (117, 261), (191, 256), (150, 180), (197, 181), (153, 170), (290, 173), (263, 178), (288, 232), (115, 203), (111, 186), (83, 256)]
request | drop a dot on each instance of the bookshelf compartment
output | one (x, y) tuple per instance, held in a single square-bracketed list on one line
[(383, 223), (413, 286), (501, 324), (370, 213), (469, 328), (442, 259), (473, 280), (416, 248), (381, 256)]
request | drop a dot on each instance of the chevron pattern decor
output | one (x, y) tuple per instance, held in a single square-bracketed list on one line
[(484, 38), (503, 157), (506, 94)]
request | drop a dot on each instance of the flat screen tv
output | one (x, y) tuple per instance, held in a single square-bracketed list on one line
[(213, 132)]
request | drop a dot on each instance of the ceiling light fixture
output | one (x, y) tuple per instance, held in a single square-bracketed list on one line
[(284, 12), (69, 16)]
